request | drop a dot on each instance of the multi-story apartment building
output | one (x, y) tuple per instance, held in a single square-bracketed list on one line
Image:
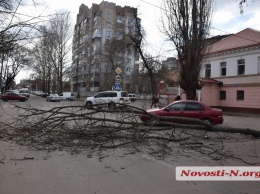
[(171, 63), (99, 47)]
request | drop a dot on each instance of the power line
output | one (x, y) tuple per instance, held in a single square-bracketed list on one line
[(155, 6)]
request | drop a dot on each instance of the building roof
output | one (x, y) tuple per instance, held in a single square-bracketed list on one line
[(246, 38)]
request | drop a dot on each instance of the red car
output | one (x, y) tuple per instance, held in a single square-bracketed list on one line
[(189, 109), (12, 96)]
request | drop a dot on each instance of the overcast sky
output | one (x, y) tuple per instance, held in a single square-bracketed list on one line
[(226, 18)]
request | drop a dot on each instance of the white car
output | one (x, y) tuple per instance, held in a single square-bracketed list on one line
[(132, 97), (67, 96), (24, 92), (110, 99), (53, 98)]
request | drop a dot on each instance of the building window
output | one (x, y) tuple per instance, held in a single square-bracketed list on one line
[(96, 84), (108, 15), (130, 21), (223, 68), (108, 25), (107, 67), (222, 95), (240, 94), (108, 33), (127, 77), (97, 22), (97, 31), (241, 67), (131, 29), (128, 69), (119, 34), (208, 70)]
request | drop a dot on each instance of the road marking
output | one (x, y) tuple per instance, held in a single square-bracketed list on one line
[(5, 106)]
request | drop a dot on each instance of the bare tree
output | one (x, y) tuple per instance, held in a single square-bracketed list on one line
[(242, 3), (16, 60), (61, 30), (112, 56), (186, 24), (16, 27), (52, 52), (42, 66), (135, 38)]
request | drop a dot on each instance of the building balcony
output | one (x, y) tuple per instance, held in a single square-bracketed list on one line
[(96, 35)]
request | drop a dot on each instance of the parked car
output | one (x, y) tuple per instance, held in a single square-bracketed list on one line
[(38, 93), (189, 109), (67, 96), (44, 95), (12, 96), (54, 98), (132, 97), (24, 92), (13, 91), (110, 99)]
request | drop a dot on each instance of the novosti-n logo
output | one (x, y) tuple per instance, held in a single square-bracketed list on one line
[(218, 173)]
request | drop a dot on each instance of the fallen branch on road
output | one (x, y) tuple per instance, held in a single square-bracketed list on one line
[(77, 128)]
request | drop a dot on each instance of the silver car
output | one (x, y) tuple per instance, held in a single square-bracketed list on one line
[(53, 98)]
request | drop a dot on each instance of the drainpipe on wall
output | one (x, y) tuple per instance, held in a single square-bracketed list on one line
[(199, 95)]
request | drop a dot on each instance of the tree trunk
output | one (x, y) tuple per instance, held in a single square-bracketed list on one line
[(190, 94)]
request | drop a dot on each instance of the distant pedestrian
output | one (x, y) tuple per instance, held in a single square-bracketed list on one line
[(78, 95), (153, 101), (177, 98)]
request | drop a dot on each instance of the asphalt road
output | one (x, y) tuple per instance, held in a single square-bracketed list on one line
[(116, 171)]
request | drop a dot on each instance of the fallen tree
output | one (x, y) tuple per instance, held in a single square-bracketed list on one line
[(77, 129)]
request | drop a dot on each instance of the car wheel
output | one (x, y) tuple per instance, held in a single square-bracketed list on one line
[(47, 99), (5, 99), (89, 105), (208, 121), (112, 106)]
